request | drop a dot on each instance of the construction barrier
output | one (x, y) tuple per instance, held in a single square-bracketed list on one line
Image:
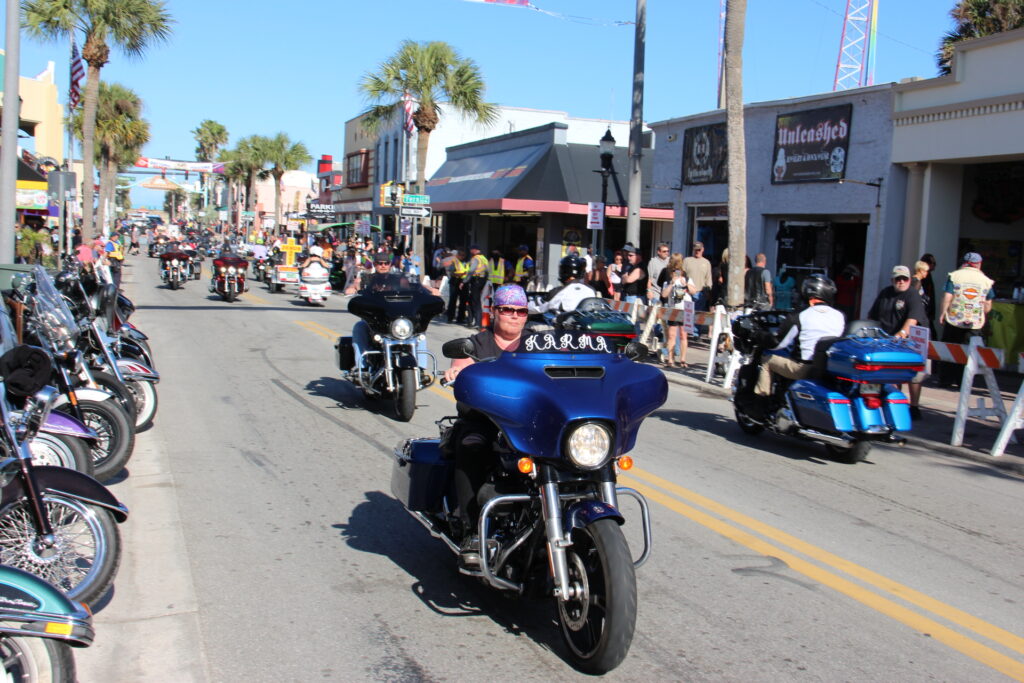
[(977, 360)]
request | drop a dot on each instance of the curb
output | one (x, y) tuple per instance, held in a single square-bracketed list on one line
[(937, 446)]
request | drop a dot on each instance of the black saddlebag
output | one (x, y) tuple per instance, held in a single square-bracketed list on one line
[(420, 475)]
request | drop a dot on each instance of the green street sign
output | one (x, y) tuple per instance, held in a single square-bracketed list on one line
[(416, 199)]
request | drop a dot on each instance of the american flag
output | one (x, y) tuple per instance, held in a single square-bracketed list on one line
[(77, 73), (407, 103)]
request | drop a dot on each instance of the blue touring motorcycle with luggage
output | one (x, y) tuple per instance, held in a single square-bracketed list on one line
[(566, 411), (849, 401)]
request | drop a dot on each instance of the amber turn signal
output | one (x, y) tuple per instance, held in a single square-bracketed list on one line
[(625, 463), (525, 465)]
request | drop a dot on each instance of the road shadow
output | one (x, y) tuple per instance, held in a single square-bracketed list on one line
[(724, 426), (343, 392), (380, 525)]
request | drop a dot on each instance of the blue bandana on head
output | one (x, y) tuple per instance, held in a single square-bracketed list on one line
[(510, 295)]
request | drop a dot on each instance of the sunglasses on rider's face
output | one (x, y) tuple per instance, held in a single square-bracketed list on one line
[(512, 310), (381, 263), (901, 278)]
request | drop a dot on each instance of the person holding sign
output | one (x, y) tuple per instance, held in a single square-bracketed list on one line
[(897, 308)]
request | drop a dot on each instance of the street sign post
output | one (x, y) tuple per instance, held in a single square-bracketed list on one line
[(415, 211), (595, 215), (417, 199)]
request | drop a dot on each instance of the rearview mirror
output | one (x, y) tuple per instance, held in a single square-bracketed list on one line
[(635, 351), (458, 348)]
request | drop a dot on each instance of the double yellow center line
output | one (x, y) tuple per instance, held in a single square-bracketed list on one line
[(877, 592)]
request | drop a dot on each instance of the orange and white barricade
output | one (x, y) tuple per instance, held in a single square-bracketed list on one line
[(721, 331), (977, 359)]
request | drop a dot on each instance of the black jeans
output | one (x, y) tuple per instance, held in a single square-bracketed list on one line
[(455, 298), (476, 307), (472, 436)]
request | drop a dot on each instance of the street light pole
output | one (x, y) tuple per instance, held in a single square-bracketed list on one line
[(607, 146), (9, 136)]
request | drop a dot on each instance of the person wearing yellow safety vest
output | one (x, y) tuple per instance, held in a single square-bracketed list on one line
[(966, 301), (478, 272), (115, 256), (497, 269), (458, 269), (524, 267)]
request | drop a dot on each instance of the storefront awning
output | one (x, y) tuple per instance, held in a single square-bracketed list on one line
[(483, 176)]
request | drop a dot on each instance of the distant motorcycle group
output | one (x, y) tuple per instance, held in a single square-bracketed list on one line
[(77, 383)]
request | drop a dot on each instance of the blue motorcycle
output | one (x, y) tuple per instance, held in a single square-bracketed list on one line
[(565, 410), (849, 401), (38, 627)]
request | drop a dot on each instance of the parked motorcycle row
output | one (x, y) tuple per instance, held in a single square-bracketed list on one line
[(78, 382)]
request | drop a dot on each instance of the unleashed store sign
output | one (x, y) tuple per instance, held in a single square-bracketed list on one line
[(811, 146)]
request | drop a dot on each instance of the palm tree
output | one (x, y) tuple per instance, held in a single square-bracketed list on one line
[(976, 18), (735, 20), (172, 199), (432, 74), (131, 25), (283, 155), (210, 136), (120, 135)]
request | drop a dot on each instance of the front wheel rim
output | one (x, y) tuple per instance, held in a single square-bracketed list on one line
[(583, 615), (79, 552)]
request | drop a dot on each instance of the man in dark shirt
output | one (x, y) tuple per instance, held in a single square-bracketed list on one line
[(898, 307), (634, 276)]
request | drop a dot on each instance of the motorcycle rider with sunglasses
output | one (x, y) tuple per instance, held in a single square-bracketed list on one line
[(472, 434)]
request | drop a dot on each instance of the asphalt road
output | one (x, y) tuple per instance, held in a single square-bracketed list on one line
[(264, 544)]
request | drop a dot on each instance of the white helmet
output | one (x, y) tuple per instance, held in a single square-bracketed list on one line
[(316, 251)]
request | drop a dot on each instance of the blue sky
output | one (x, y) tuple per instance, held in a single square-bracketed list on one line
[(264, 66)]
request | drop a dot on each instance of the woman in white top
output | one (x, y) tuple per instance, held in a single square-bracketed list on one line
[(614, 277), (676, 290)]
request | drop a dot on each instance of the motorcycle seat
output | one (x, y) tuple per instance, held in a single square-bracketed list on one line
[(819, 361)]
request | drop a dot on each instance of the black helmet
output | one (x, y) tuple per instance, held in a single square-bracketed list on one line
[(572, 266), (818, 287)]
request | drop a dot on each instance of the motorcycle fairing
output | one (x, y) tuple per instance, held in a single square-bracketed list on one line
[(137, 370), (530, 406), (820, 408), (70, 483), (583, 513), (379, 309)]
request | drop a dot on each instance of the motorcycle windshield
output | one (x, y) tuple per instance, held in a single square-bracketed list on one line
[(390, 297), (230, 261), (535, 396), (172, 255), (8, 337), (50, 308)]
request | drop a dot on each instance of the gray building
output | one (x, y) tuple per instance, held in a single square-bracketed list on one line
[(808, 205)]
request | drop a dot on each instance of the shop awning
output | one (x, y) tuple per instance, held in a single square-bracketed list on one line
[(483, 176)]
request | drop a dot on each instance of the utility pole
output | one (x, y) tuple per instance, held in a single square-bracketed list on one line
[(9, 138), (636, 125)]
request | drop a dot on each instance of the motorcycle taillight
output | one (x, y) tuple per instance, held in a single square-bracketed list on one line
[(872, 401)]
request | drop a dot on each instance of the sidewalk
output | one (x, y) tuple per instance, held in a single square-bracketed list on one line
[(938, 407)]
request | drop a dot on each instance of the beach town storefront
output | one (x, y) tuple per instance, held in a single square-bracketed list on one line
[(822, 194), (532, 187), (959, 138)]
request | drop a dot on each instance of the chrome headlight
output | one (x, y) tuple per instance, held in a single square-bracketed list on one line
[(589, 445), (223, 269), (401, 328), (174, 261), (231, 270)]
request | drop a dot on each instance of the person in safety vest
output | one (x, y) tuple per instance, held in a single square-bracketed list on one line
[(497, 269), (966, 301), (524, 267), (458, 269), (478, 272)]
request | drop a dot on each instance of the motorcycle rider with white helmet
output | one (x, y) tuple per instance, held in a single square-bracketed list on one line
[(316, 255)]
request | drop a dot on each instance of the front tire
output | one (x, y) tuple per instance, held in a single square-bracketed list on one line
[(86, 553), (37, 660), (598, 624), (230, 296), (124, 396), (174, 284), (113, 448), (405, 396), (144, 394), (61, 450)]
